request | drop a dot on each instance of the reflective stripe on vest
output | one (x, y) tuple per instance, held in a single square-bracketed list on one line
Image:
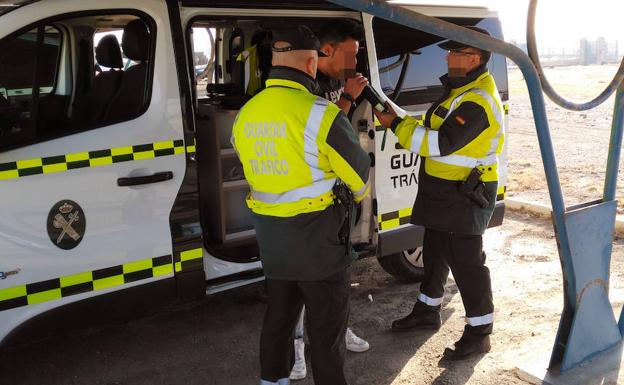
[(432, 142), (466, 161), (305, 192), (417, 138), (363, 191), (498, 114), (310, 148), (247, 70), (462, 160)]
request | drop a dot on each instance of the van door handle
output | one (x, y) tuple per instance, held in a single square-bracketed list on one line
[(139, 180)]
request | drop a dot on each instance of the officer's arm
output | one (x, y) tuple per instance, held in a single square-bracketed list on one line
[(460, 128), (347, 159)]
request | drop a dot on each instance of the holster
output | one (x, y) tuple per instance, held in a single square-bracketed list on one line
[(474, 189), (343, 196)]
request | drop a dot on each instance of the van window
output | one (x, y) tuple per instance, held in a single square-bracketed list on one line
[(19, 56), (411, 62), (205, 68), (222, 72), (28, 70), (50, 88)]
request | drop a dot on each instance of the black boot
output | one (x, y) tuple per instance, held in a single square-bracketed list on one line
[(470, 344), (421, 317)]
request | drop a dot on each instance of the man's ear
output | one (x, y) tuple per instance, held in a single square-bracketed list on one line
[(328, 49), (312, 66), (478, 60)]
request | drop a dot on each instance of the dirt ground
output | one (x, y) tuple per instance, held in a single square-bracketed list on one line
[(215, 341), (580, 139)]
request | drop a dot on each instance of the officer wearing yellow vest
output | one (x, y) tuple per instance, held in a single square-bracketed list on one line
[(295, 147), (251, 72), (459, 142)]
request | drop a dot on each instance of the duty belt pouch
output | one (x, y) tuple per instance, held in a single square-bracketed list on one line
[(343, 197), (474, 189)]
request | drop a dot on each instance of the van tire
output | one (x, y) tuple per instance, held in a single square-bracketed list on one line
[(406, 266)]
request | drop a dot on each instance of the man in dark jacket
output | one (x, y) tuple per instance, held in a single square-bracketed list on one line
[(459, 140)]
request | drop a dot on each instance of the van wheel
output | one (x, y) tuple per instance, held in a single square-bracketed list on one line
[(406, 266)]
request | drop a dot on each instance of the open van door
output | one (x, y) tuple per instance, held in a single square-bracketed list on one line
[(86, 199)]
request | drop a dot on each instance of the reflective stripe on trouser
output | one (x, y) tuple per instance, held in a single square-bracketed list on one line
[(430, 301), (281, 381), (481, 320), (464, 256)]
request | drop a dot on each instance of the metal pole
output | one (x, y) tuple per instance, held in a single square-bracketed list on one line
[(615, 147)]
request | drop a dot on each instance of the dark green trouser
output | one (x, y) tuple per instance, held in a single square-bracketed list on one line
[(327, 313)]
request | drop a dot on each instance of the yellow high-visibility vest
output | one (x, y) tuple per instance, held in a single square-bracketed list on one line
[(280, 136), (482, 152), (253, 78)]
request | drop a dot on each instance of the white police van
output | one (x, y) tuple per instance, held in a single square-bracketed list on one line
[(119, 189)]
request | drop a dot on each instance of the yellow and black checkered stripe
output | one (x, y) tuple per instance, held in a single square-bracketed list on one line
[(57, 288), (188, 260), (500, 193), (62, 163), (395, 219)]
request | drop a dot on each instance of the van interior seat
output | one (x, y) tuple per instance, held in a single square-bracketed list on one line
[(90, 108), (131, 96)]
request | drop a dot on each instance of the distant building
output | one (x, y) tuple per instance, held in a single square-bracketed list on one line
[(597, 52)]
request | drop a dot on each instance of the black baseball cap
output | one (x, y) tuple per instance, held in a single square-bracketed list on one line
[(453, 45), (298, 38)]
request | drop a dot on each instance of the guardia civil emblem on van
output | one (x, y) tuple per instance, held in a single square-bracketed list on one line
[(66, 224)]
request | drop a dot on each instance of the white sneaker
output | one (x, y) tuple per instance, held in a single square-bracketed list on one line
[(298, 371), (355, 343)]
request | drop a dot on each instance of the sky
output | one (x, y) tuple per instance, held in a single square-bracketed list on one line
[(558, 22)]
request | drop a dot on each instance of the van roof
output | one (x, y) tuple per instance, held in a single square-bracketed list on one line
[(422, 7), (9, 5)]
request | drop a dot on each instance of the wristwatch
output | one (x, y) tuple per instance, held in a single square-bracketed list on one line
[(350, 98)]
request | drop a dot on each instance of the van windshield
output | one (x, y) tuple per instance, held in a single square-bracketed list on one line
[(411, 63)]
